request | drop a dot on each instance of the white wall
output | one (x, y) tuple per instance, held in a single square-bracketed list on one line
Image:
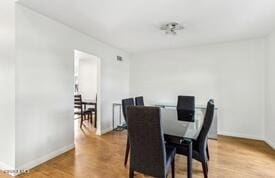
[(87, 77), (7, 84), (44, 84), (270, 92), (231, 73)]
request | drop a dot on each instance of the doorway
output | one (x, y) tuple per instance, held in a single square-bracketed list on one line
[(86, 93)]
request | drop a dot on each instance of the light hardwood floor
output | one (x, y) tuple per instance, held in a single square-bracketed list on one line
[(102, 157)]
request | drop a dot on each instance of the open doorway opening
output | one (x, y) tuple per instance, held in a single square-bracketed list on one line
[(86, 93)]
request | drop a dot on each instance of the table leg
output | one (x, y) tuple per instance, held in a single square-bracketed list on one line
[(119, 114), (113, 118), (95, 126), (189, 159)]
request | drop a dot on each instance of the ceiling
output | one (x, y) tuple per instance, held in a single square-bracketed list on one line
[(133, 25)]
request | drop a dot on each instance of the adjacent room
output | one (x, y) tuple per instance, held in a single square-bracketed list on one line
[(103, 89), (86, 82)]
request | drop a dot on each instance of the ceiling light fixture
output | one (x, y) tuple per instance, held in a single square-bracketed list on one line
[(171, 28)]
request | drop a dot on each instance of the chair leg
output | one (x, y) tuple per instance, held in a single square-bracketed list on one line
[(81, 121), (127, 152), (207, 152), (173, 168), (91, 117), (131, 173), (205, 169)]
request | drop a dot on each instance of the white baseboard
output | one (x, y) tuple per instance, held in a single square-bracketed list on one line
[(104, 131), (98, 132), (4, 167), (240, 135), (45, 158), (270, 143)]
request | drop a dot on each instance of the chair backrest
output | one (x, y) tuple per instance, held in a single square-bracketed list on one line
[(208, 119), (146, 140), (78, 101), (139, 101), (125, 104), (186, 108)]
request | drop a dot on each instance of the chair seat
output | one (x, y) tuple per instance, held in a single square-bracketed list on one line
[(183, 150), (84, 112), (172, 139), (170, 155)]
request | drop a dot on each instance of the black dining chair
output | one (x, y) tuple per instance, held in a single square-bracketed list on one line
[(125, 104), (78, 109), (139, 101), (199, 145), (186, 108), (149, 154), (93, 110)]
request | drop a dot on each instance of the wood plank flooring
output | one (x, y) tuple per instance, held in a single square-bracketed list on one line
[(102, 157)]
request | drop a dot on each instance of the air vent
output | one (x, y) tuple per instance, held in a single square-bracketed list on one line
[(119, 58)]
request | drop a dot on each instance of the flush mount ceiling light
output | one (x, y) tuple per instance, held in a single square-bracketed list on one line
[(171, 28)]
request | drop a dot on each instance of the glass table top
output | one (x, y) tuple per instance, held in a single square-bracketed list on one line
[(174, 127)]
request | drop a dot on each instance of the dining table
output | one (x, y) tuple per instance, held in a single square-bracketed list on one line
[(184, 131)]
